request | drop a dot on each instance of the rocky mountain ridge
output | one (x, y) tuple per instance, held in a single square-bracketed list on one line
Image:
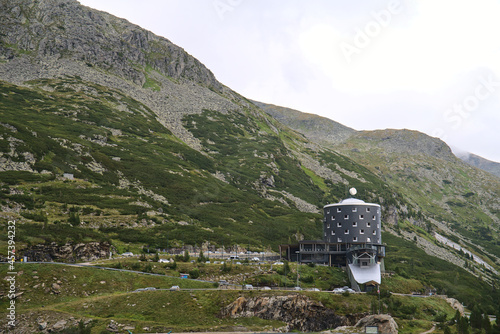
[(316, 128), (65, 29), (480, 162)]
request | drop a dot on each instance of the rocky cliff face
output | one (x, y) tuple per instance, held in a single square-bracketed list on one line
[(65, 29), (68, 253), (297, 311)]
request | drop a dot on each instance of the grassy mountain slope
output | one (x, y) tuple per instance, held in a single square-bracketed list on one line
[(316, 128), (50, 293), (436, 193)]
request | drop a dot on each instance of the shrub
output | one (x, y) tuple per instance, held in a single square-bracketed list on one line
[(226, 268), (74, 219), (194, 273)]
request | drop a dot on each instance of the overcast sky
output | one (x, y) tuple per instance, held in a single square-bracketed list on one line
[(427, 65)]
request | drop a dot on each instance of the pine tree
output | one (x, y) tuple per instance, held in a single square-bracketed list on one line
[(463, 326), (476, 317)]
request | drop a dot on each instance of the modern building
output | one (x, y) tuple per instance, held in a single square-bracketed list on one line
[(351, 238)]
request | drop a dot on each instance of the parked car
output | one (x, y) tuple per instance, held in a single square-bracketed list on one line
[(343, 289), (248, 287), (297, 288), (175, 288), (266, 288), (313, 289), (255, 258), (128, 254)]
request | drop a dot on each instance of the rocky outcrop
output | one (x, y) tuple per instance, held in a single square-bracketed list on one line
[(297, 311), (455, 304), (384, 322), (68, 252), (65, 29)]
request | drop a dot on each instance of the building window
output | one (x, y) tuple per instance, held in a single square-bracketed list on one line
[(355, 239), (325, 234), (354, 224), (374, 217), (333, 232), (333, 217), (328, 226), (368, 239), (339, 239), (339, 209), (367, 209), (354, 209), (378, 225), (339, 224), (368, 224), (346, 232), (346, 217), (361, 217), (362, 232), (327, 212), (374, 232)]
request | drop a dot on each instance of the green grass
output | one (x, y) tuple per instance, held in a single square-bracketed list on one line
[(104, 295), (411, 264)]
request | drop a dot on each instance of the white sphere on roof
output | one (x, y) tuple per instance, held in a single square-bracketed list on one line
[(353, 191)]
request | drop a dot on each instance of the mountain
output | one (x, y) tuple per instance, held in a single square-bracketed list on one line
[(111, 134), (151, 137), (316, 128), (437, 193), (482, 163)]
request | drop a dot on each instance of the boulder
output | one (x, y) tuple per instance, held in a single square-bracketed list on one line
[(59, 325), (297, 311), (384, 322)]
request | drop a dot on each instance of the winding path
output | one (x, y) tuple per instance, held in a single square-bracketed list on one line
[(430, 330)]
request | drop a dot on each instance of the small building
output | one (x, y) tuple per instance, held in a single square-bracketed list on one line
[(68, 176), (352, 239)]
